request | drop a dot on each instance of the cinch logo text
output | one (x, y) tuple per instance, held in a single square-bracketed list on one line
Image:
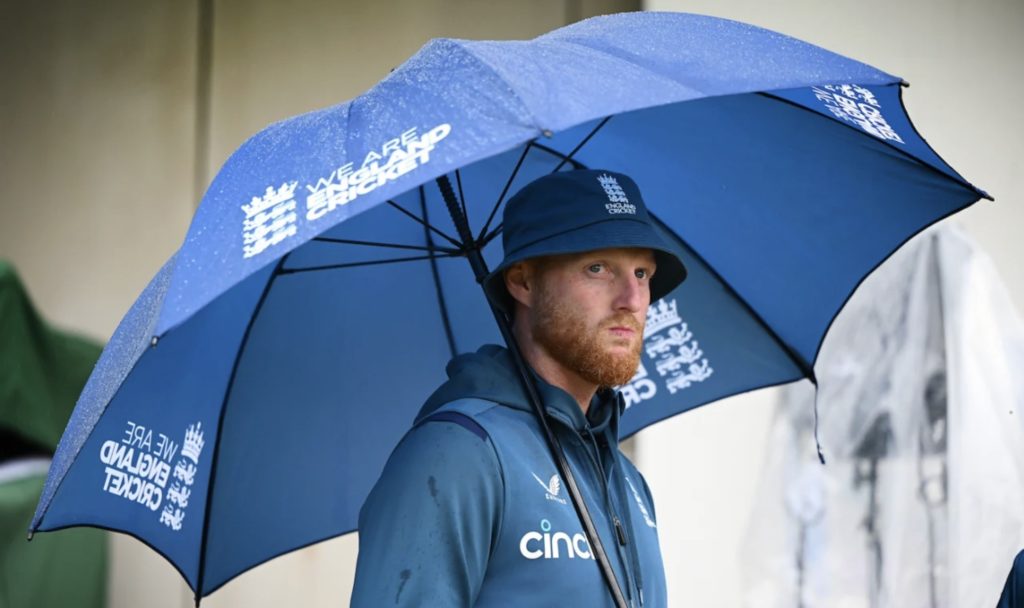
[(549, 545)]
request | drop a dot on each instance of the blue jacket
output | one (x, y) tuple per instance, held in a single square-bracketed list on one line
[(469, 510), (1013, 591)]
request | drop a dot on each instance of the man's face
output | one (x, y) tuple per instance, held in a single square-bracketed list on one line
[(589, 311)]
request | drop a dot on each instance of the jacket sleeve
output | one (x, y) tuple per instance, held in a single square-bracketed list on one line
[(427, 528)]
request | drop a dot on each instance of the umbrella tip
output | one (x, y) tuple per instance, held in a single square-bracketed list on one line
[(547, 133), (153, 341), (31, 533), (904, 84), (817, 442)]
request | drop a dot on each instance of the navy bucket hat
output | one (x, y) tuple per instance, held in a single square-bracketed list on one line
[(577, 211)]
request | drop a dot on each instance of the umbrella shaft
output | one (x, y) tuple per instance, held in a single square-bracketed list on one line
[(476, 260)]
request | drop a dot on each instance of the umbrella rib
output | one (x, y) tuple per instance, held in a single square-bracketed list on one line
[(462, 197), (490, 237), (414, 258), (441, 303), (976, 192), (504, 191), (416, 218), (201, 574), (956, 175), (431, 247), (568, 158), (575, 163), (803, 366)]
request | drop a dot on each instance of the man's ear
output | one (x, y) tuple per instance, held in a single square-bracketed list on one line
[(519, 281)]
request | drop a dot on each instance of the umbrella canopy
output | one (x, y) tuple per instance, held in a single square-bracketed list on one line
[(250, 397)]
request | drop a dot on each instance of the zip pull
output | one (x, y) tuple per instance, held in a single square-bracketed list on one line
[(620, 532)]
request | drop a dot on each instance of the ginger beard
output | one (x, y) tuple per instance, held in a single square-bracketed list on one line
[(562, 330)]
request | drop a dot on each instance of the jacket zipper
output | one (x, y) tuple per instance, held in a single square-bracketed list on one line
[(620, 533)]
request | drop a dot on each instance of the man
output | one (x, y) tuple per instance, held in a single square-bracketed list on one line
[(470, 510)]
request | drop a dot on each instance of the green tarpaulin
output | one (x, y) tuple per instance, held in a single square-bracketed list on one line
[(42, 371)]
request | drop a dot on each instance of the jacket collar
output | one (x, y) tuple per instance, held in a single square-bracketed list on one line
[(490, 373)]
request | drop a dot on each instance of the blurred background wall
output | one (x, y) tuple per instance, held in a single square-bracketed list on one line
[(114, 114)]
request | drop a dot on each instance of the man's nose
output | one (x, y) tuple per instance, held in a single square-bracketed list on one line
[(632, 295)]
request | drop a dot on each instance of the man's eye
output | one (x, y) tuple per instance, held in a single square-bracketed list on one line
[(641, 273), (595, 268)]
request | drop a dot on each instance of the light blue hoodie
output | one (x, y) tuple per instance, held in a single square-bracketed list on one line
[(469, 510)]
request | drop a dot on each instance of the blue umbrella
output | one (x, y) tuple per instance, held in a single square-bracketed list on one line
[(249, 398)]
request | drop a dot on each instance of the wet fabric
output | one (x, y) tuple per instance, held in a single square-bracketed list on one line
[(464, 517)]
